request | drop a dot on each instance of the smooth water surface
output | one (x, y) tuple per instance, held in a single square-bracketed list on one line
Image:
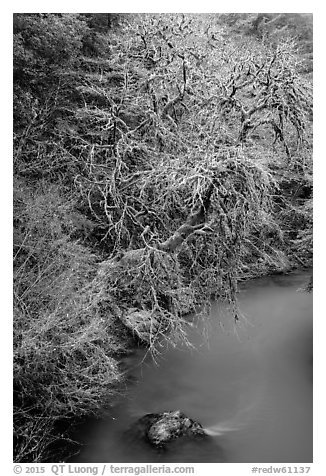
[(251, 384)]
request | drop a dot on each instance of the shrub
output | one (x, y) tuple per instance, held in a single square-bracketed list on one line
[(65, 340)]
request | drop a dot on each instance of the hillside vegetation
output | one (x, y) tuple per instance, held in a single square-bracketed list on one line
[(159, 159)]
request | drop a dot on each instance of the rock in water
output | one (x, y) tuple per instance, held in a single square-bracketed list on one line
[(161, 428)]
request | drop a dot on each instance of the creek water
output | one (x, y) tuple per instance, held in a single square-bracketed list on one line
[(250, 384)]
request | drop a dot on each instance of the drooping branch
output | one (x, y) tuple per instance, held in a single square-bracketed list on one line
[(195, 222)]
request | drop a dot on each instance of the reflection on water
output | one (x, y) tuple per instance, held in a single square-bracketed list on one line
[(251, 385)]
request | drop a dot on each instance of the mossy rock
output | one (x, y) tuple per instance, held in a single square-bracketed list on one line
[(159, 429)]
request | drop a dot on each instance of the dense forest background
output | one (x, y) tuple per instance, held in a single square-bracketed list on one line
[(159, 159)]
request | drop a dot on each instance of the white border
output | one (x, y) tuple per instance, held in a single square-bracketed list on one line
[(319, 466)]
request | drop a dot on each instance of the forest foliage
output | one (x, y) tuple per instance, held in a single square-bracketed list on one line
[(159, 159)]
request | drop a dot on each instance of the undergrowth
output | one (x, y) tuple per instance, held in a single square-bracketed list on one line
[(66, 341)]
